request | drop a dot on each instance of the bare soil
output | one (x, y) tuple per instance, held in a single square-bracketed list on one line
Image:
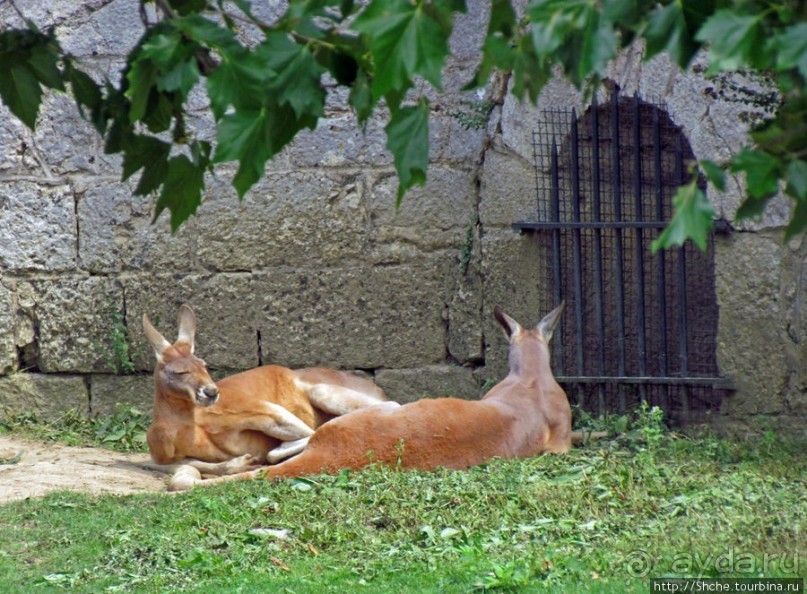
[(33, 469)]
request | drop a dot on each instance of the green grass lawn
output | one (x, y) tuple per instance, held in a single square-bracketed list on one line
[(604, 518)]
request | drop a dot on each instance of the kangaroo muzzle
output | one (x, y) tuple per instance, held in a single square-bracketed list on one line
[(207, 395)]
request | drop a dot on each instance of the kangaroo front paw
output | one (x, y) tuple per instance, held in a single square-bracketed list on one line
[(242, 464), (286, 450)]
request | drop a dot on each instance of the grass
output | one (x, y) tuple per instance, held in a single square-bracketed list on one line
[(604, 518)]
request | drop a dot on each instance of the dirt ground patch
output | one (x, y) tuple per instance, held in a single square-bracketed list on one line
[(37, 468)]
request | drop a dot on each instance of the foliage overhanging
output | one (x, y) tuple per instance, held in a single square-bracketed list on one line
[(261, 95)]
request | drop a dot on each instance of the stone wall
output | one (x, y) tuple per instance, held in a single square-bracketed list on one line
[(316, 266)]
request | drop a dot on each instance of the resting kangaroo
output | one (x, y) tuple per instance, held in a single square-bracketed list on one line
[(244, 420), (526, 414)]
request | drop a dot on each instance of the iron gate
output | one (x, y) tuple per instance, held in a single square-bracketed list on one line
[(637, 326)]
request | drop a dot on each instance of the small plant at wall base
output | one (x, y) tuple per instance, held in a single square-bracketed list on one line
[(118, 355), (467, 250), (124, 430), (262, 92), (473, 115)]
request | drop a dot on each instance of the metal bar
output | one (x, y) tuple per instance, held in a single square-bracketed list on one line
[(537, 180), (619, 261), (716, 382), (683, 332), (545, 225), (661, 281), (556, 263), (640, 290), (598, 280), (577, 255)]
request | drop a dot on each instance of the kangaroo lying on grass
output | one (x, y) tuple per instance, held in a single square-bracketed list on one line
[(244, 420), (526, 414)]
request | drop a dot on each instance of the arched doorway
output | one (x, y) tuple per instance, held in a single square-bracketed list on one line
[(638, 326)]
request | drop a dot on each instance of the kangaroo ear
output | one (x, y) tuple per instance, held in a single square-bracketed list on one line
[(508, 324), (187, 325), (156, 339), (547, 326)]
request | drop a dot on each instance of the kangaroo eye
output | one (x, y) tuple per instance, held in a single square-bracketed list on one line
[(182, 373)]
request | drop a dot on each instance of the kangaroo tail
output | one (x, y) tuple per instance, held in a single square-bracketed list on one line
[(580, 437)]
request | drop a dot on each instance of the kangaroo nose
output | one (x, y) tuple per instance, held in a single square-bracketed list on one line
[(211, 392)]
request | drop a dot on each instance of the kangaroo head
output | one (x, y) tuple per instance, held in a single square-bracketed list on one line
[(526, 345), (179, 372)]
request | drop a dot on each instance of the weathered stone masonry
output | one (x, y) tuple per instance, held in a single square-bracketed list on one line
[(316, 266)]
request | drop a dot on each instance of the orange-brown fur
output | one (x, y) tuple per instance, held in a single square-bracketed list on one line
[(526, 414), (239, 421)]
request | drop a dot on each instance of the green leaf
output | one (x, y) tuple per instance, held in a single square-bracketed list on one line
[(181, 78), (21, 93), (144, 151), (762, 171), (692, 219), (752, 207), (239, 81), (43, 61), (245, 136), (502, 18), (797, 179), (141, 77), (164, 48), (188, 6), (182, 190), (530, 74), (208, 33), (408, 141), (552, 21), (798, 220), (174, 58), (406, 40), (573, 33), (667, 32), (159, 111), (252, 137), (735, 40), (792, 48), (297, 78), (714, 174), (361, 97), (497, 49), (85, 91), (598, 46)]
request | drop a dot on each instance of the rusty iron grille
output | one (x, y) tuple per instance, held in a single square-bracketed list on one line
[(637, 326)]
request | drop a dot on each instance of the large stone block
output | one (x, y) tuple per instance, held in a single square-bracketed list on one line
[(109, 394), (752, 331), (290, 218), (64, 141), (794, 297), (468, 35), (434, 217), (13, 136), (37, 227), (507, 190), (339, 141), (8, 351), (47, 396), (108, 28), (363, 317), (75, 322), (512, 266), (226, 336), (116, 233), (467, 134), (432, 381)]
